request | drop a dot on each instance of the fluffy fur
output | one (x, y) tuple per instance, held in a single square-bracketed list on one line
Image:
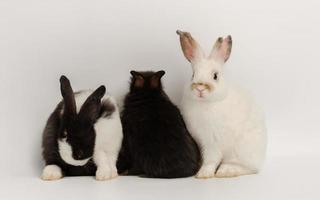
[(156, 142), (224, 120), (82, 136)]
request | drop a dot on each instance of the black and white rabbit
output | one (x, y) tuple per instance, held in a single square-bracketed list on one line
[(156, 142), (82, 136)]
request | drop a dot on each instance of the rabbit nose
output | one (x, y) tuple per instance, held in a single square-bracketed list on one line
[(80, 154), (200, 88)]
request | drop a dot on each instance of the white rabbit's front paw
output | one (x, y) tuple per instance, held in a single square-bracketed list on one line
[(232, 170), (51, 172), (106, 173), (206, 171)]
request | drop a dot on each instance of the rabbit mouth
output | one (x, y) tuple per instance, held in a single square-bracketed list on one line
[(200, 92), (200, 95)]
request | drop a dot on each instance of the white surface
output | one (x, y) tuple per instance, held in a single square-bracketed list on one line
[(284, 178), (275, 55)]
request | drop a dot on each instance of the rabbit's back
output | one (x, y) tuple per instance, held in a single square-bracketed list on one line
[(162, 145)]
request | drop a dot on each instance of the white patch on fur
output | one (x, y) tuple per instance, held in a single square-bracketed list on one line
[(108, 143), (51, 172), (65, 152)]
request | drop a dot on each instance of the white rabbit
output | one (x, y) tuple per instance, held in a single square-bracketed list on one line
[(225, 122)]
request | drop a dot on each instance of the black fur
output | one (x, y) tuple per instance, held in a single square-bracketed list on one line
[(79, 129), (156, 141)]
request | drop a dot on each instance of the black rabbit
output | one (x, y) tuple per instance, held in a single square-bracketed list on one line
[(156, 142), (82, 136)]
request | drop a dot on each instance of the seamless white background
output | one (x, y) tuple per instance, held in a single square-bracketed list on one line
[(275, 55)]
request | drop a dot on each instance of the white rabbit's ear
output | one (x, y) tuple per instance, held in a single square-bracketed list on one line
[(190, 47), (222, 49)]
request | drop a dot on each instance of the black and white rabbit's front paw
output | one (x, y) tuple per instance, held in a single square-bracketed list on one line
[(106, 172), (51, 172)]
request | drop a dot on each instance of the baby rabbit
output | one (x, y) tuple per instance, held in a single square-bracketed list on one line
[(156, 142), (224, 121), (83, 135)]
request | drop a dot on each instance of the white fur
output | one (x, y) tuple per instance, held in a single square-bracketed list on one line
[(51, 172), (225, 122), (65, 151), (107, 143)]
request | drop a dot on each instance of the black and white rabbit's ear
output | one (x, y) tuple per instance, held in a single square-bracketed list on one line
[(68, 96), (90, 109), (222, 49), (155, 81), (191, 49), (137, 79)]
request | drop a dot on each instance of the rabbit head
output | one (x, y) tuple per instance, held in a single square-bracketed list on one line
[(207, 81), (77, 129), (146, 81)]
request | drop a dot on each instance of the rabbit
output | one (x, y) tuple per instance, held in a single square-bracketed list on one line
[(82, 136), (156, 142), (224, 120)]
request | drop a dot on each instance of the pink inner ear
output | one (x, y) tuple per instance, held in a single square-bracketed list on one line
[(139, 82), (223, 50), (187, 47), (189, 53)]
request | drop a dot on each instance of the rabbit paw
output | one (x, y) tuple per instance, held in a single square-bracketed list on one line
[(51, 172), (106, 173), (206, 171), (231, 170)]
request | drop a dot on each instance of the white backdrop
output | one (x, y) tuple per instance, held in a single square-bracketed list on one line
[(275, 55)]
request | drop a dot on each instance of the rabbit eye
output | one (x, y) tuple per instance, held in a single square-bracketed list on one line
[(215, 76)]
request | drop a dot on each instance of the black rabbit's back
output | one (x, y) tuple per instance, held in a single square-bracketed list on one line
[(156, 140)]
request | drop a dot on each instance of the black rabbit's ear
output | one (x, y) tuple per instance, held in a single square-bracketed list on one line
[(98, 93), (156, 79), (68, 96), (134, 73), (90, 109), (160, 73), (137, 79)]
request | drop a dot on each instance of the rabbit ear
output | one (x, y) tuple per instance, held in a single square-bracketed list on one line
[(222, 49), (137, 79), (68, 96), (155, 79), (190, 47), (90, 109)]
